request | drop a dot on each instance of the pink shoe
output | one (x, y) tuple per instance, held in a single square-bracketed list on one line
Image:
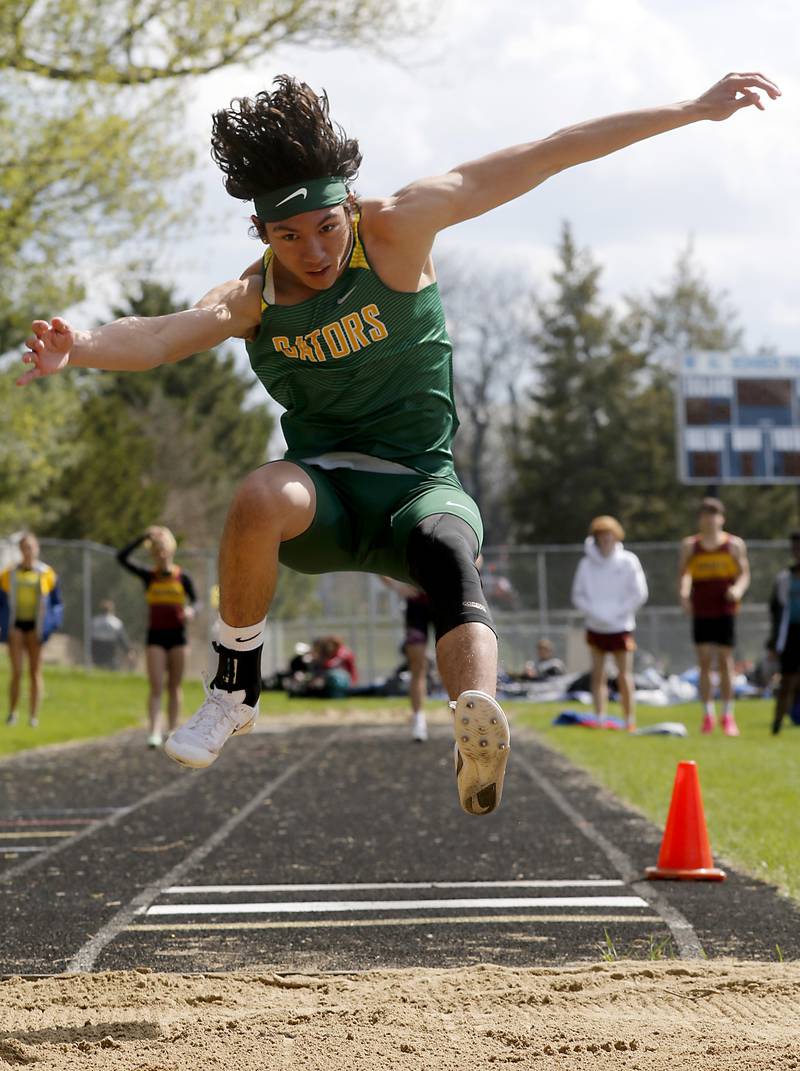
[(709, 723), (729, 726)]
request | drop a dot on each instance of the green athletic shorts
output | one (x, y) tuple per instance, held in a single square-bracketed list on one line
[(363, 520)]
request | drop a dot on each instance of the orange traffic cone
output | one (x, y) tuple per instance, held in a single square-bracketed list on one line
[(685, 851)]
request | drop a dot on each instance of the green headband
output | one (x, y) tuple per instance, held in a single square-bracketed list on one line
[(305, 196)]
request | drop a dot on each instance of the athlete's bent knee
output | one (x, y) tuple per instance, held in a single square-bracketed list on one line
[(279, 493), (441, 555)]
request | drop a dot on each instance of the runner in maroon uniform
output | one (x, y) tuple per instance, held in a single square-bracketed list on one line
[(170, 598), (713, 576)]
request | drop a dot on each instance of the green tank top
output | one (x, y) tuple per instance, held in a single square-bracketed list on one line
[(361, 368)]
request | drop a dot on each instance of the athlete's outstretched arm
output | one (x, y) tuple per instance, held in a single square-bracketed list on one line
[(137, 343), (481, 185)]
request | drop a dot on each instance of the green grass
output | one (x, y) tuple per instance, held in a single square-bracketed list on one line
[(749, 784), (80, 704)]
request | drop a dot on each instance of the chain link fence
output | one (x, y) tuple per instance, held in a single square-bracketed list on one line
[(528, 588)]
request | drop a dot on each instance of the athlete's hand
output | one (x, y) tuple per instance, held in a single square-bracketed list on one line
[(734, 92), (686, 604), (48, 349), (732, 595)]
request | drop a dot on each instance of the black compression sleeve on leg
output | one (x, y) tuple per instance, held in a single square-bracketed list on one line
[(237, 671), (441, 555)]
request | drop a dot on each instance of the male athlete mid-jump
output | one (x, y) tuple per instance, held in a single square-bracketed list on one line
[(345, 329)]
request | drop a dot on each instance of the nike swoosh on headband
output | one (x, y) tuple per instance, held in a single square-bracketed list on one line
[(302, 192)]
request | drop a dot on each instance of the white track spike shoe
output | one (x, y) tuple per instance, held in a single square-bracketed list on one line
[(481, 751), (200, 740)]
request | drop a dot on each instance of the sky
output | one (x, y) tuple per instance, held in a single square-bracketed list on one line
[(493, 75)]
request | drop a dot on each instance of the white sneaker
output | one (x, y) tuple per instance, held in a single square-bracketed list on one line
[(481, 751), (200, 740), (155, 740), (419, 726)]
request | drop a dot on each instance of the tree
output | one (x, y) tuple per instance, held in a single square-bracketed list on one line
[(684, 316), (571, 456), (36, 440), (489, 316), (109, 493), (136, 42), (600, 435), (91, 137)]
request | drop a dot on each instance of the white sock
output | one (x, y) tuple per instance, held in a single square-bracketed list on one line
[(709, 708), (727, 708), (242, 637)]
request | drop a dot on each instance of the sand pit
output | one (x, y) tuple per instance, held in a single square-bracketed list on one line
[(654, 1016)]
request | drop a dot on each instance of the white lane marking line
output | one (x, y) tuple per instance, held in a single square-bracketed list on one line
[(84, 959), (303, 907), (17, 848), (36, 833), (55, 813), (181, 782), (52, 821), (198, 890), (687, 941), (417, 920)]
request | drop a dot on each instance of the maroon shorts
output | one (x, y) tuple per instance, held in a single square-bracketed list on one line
[(611, 641)]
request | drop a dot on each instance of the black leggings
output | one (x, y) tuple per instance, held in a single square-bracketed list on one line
[(441, 554)]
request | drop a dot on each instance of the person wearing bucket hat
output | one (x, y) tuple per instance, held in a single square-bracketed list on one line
[(346, 331), (609, 587)]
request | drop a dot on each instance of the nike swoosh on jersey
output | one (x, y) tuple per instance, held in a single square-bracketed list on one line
[(459, 506), (344, 297), (302, 192)]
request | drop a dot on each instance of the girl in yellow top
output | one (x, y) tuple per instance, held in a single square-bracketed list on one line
[(30, 609)]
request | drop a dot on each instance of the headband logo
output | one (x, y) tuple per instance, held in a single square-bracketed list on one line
[(303, 192)]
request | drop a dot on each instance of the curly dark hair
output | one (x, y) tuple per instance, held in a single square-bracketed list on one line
[(278, 138)]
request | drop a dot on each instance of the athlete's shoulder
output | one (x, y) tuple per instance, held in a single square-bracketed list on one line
[(240, 297), (378, 218)]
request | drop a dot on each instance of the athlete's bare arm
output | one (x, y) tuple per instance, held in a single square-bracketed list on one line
[(137, 343), (738, 550), (412, 217), (684, 576)]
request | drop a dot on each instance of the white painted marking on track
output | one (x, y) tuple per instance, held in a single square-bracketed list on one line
[(417, 920), (52, 821), (36, 833), (86, 956), (17, 848), (687, 941), (366, 886), (302, 907)]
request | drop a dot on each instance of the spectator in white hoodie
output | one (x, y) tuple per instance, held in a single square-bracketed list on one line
[(609, 587)]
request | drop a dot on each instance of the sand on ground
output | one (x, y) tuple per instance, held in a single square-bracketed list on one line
[(651, 1015)]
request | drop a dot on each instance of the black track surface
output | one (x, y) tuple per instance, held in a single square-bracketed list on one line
[(367, 806)]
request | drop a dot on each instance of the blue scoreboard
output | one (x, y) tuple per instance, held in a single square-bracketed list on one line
[(738, 419)]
